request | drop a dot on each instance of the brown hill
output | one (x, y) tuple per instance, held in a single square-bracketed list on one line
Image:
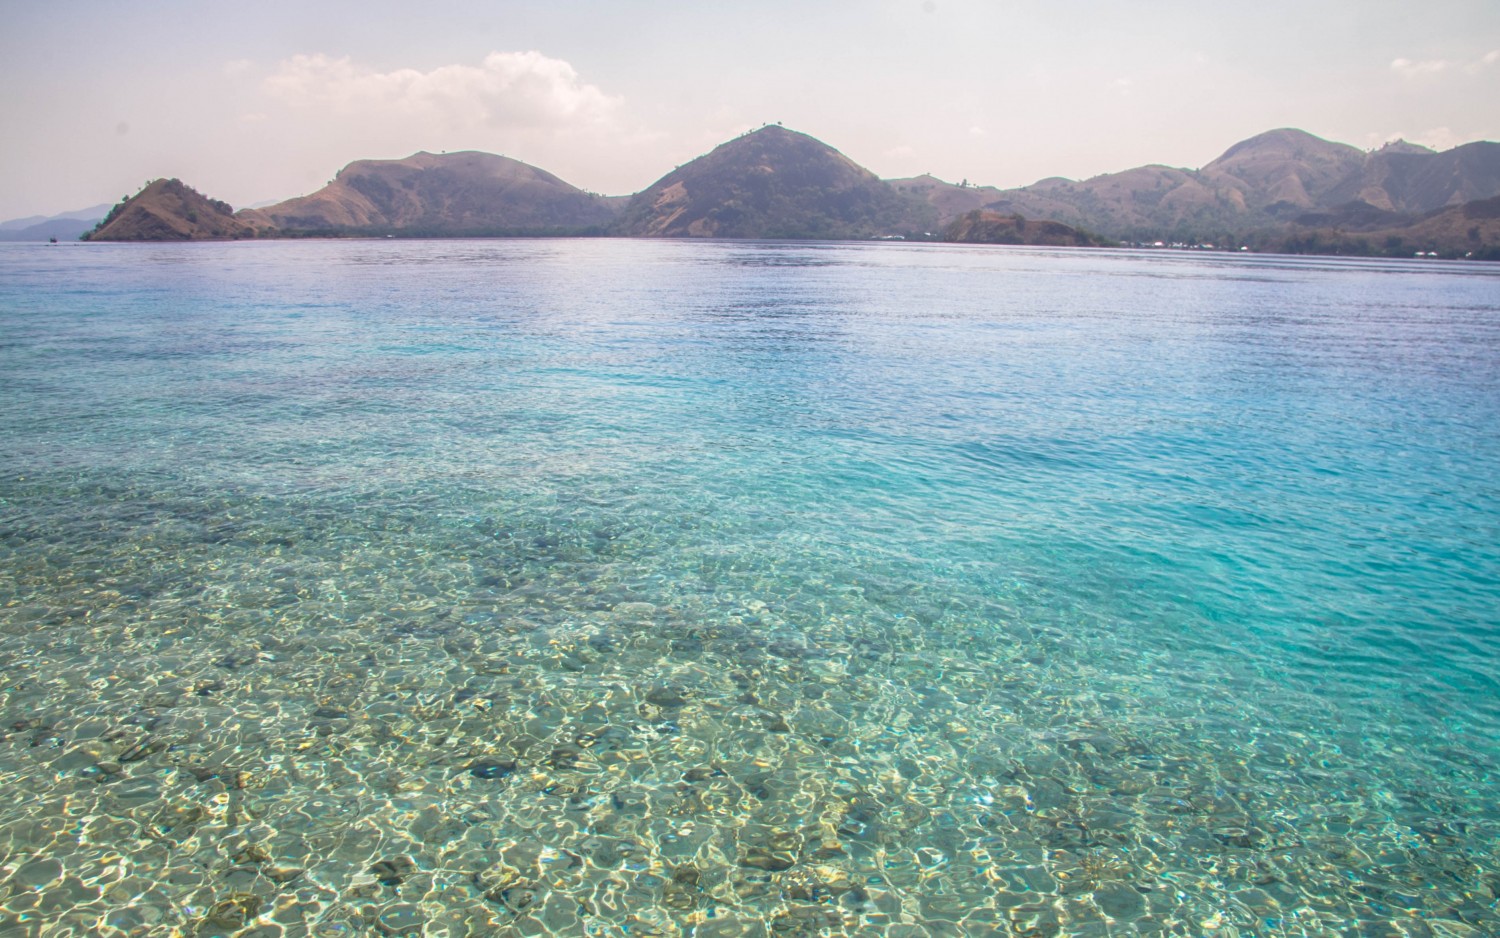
[(772, 183), (450, 194), (1266, 182), (1469, 230), (947, 199), (1284, 187), (1414, 179), (1144, 201), (1282, 171), (984, 227), (167, 210)]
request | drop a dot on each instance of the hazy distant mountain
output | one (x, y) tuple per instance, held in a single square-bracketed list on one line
[(62, 229), (448, 194), (16, 224), (167, 210), (64, 226), (772, 183)]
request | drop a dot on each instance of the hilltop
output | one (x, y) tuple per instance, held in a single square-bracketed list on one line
[(771, 183)]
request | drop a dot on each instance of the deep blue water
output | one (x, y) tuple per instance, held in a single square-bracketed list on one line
[(626, 587)]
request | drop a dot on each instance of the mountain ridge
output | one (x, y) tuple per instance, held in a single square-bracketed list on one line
[(63, 225), (1265, 181), (774, 182)]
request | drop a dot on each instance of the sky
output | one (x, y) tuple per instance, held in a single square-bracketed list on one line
[(251, 102)]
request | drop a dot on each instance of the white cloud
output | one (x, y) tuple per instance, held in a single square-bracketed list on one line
[(1415, 68), (1483, 62), (526, 105), (525, 89), (1408, 68)]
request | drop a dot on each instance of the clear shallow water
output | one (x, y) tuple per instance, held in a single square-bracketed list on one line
[(632, 588)]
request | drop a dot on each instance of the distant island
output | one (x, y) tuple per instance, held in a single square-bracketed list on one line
[(1285, 190), (66, 225)]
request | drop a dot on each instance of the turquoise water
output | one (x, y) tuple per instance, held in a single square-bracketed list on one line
[(665, 588)]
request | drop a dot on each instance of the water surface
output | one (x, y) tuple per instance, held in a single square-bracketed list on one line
[(669, 588)]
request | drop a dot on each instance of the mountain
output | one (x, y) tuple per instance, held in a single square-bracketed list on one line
[(1471, 229), (1257, 182), (167, 210), (448, 194), (949, 201), (984, 227), (772, 183), (1281, 171), (1413, 179), (60, 229), (1266, 182), (91, 214), (64, 226), (16, 224), (1284, 189)]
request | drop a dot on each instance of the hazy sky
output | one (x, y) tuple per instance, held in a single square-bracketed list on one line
[(266, 100)]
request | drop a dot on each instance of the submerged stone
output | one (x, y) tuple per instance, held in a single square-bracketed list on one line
[(668, 696), (492, 770), (393, 871), (233, 912)]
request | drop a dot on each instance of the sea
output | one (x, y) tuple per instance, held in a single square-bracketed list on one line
[(735, 588)]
